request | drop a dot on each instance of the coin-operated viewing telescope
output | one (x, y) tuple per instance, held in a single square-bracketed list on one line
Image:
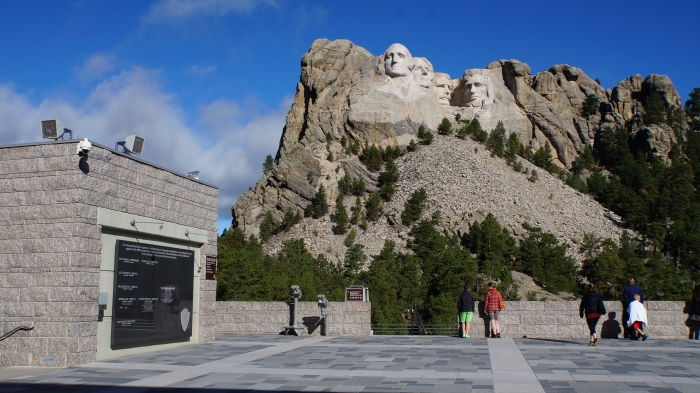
[(298, 331), (323, 306), (296, 292)]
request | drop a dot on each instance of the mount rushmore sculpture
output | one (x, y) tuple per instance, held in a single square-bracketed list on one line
[(347, 94)]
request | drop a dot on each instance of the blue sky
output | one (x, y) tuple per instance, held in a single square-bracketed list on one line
[(208, 83)]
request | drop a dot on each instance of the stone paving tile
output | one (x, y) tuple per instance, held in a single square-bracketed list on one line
[(189, 355), (385, 364)]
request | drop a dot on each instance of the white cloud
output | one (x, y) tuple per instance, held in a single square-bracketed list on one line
[(96, 66), (176, 11), (133, 102), (202, 70)]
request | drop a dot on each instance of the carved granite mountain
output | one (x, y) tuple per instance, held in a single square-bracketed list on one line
[(346, 93)]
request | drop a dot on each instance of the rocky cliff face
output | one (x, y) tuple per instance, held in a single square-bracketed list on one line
[(465, 183), (347, 93)]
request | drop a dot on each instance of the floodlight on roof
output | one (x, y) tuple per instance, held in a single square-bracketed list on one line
[(53, 129), (132, 144), (193, 175)]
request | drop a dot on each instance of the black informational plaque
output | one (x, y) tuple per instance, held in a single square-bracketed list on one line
[(153, 294)]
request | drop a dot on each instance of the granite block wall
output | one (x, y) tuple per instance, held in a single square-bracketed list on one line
[(346, 318), (50, 242), (560, 319)]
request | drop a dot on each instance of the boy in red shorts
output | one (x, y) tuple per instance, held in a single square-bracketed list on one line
[(637, 318)]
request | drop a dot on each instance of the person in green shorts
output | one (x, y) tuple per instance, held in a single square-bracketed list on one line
[(465, 308)]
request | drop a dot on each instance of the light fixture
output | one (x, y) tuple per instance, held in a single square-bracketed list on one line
[(53, 129), (133, 223), (193, 175), (188, 233), (132, 144)]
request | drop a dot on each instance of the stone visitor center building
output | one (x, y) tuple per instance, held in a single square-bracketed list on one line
[(105, 255)]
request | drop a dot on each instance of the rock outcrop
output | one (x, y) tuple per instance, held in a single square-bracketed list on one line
[(345, 94)]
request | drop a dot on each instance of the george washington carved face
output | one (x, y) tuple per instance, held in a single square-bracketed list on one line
[(398, 61)]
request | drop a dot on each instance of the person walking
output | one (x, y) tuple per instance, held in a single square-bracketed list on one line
[(493, 304), (637, 318), (694, 314), (465, 308), (628, 295), (593, 308)]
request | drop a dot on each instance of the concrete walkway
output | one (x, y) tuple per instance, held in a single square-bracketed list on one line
[(258, 363)]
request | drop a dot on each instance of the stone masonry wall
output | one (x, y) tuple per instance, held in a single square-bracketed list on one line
[(50, 242), (560, 319), (348, 318), (546, 319)]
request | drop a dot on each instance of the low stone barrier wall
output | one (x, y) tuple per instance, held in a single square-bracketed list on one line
[(346, 318), (545, 319), (560, 319)]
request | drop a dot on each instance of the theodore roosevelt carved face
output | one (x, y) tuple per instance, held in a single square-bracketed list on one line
[(476, 90), (398, 61), (423, 72), (443, 87)]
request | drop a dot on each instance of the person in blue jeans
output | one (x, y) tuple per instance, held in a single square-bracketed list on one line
[(465, 308), (628, 295)]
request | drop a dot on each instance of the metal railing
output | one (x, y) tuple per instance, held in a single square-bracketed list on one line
[(415, 330)]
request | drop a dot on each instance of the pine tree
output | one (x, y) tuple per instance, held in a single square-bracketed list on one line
[(693, 104), (372, 158), (655, 111), (496, 141), (445, 127), (291, 218), (268, 164), (341, 216), (355, 259), (319, 205), (373, 207), (543, 157), (414, 207), (477, 133), (358, 187), (511, 148), (544, 258), (425, 136), (493, 246), (388, 179), (350, 238), (345, 184), (268, 226), (592, 105), (356, 212)]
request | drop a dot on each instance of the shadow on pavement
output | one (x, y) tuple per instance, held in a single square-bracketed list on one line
[(552, 340), (38, 387)]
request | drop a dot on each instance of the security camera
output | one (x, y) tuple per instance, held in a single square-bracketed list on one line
[(84, 147)]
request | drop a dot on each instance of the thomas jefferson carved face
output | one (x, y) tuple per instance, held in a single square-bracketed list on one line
[(423, 72), (398, 61), (476, 90), (443, 87)]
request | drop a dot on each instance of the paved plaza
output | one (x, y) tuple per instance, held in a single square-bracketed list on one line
[(266, 363)]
